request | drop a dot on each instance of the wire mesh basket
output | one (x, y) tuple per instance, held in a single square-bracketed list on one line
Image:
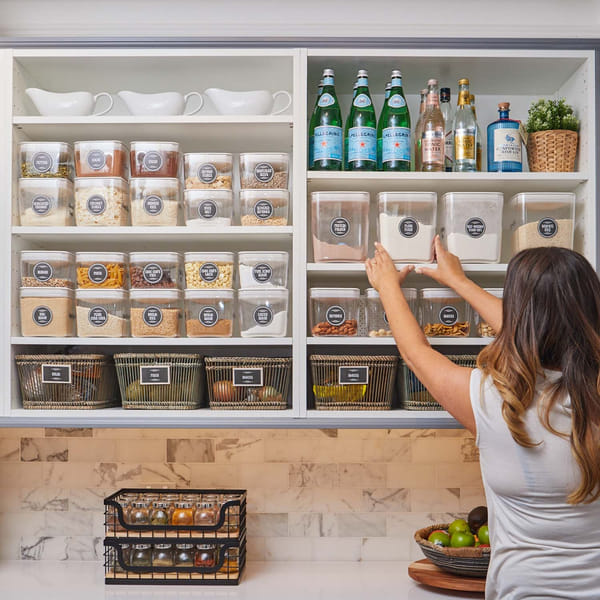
[(242, 383), (160, 381), (59, 381), (415, 395), (353, 382)]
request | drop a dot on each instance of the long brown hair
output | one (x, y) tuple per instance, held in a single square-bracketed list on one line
[(551, 320)]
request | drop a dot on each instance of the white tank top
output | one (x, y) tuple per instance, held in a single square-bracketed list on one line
[(542, 547)]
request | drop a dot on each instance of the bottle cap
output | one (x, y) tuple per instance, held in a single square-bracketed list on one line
[(445, 93), (464, 81), (504, 105), (388, 85), (396, 73), (328, 72), (432, 82), (362, 73)]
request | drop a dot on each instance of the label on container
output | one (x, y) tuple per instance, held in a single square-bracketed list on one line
[(448, 315), (353, 375), (263, 209), (96, 204), (362, 144), (432, 146), (153, 205), (262, 272), (208, 316), (475, 227), (547, 227), (507, 145), (396, 101), (98, 316), (207, 173), (207, 209), (408, 227), (395, 144), (42, 162), (362, 101), (263, 315), (96, 160), (327, 143), (56, 373), (41, 204), (97, 273), (42, 316), (264, 172), (152, 273), (209, 272), (42, 271), (152, 316), (326, 100), (464, 144), (335, 315), (253, 377), (152, 161), (385, 319), (339, 226), (155, 375)]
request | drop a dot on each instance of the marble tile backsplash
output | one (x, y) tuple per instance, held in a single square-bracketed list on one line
[(347, 494)]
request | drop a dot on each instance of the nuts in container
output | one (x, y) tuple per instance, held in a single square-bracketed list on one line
[(334, 311), (101, 201), (154, 201), (444, 313), (209, 270), (264, 171), (208, 171), (377, 321), (264, 207), (100, 158), (42, 268), (484, 329), (154, 270)]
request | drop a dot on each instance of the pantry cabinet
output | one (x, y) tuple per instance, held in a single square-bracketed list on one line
[(516, 76)]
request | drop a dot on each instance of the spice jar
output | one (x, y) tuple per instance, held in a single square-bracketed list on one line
[(154, 270), (263, 313), (260, 170), (231, 524), (159, 515), (169, 500), (206, 514), (46, 159), (100, 158), (206, 556), (208, 208), (263, 269), (231, 560), (102, 313), (141, 555), (139, 513), (264, 207), (207, 171), (154, 159), (377, 321), (47, 312), (126, 501), (155, 313), (184, 555), (45, 202), (42, 268), (101, 270), (484, 329), (209, 313), (154, 201), (183, 513), (334, 311), (101, 201), (444, 313), (162, 555), (125, 557), (209, 270)]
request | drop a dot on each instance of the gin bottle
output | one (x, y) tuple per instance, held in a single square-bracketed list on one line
[(465, 132), (418, 131), (504, 143), (448, 114), (432, 134)]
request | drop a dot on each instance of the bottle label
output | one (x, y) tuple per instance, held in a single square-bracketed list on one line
[(464, 144), (547, 227), (395, 144), (42, 316), (152, 273), (339, 226), (328, 80), (96, 204), (448, 315), (327, 143), (396, 101), (42, 271), (362, 82), (362, 101), (475, 227), (335, 315), (262, 273), (208, 316), (432, 146), (98, 316), (507, 145), (207, 209), (207, 173), (362, 144), (263, 315), (209, 272), (326, 100), (396, 82), (41, 205), (152, 316), (408, 227), (153, 205)]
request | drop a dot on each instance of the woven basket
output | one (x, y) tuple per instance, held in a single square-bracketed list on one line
[(93, 382), (184, 392), (552, 151), (469, 562)]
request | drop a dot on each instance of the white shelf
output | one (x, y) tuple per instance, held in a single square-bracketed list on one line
[(341, 269), (162, 342), (389, 341)]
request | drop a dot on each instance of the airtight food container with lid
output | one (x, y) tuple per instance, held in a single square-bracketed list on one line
[(263, 313), (100, 158), (47, 312), (376, 318), (154, 201), (208, 208), (484, 329), (444, 313), (209, 313), (264, 170), (154, 159), (101, 201), (263, 269), (44, 268), (46, 159), (334, 311), (155, 270), (209, 270), (264, 207), (208, 171), (101, 270), (102, 313), (45, 202), (155, 313)]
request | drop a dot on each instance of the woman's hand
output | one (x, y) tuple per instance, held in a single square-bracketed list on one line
[(449, 271), (381, 270)]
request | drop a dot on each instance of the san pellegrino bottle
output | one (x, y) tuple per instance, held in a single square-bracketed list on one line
[(388, 87), (478, 145), (326, 131), (418, 131), (432, 134), (393, 133), (361, 129), (448, 114), (311, 126), (465, 131), (504, 143)]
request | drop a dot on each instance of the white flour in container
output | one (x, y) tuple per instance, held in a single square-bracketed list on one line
[(417, 248), (469, 249), (276, 328)]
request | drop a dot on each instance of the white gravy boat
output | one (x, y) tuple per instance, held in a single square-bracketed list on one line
[(163, 104), (68, 104), (256, 102)]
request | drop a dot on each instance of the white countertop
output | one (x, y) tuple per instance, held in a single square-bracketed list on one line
[(49, 580)]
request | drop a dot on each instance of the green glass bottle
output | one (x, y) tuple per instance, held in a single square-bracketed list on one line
[(325, 131), (311, 126), (361, 129), (393, 133)]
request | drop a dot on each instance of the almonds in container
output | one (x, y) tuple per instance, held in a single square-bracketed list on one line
[(209, 270), (101, 201), (264, 171), (264, 207), (154, 201), (47, 269), (101, 270), (100, 158), (334, 311), (208, 171)]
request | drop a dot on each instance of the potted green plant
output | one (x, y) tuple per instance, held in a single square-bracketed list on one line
[(552, 136)]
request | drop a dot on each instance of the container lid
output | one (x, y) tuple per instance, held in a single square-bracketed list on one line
[(141, 546), (209, 256), (558, 198), (170, 258), (472, 197), (270, 157), (46, 292), (403, 197), (247, 194), (101, 294), (33, 145), (108, 257), (409, 293), (54, 256), (255, 257), (163, 546), (173, 146), (99, 143), (148, 294), (100, 181), (498, 292), (208, 194), (438, 293), (210, 156), (209, 294), (253, 294), (43, 183), (331, 293), (362, 197), (135, 182)]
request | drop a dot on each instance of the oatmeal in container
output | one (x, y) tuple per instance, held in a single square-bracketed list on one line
[(154, 201), (45, 202), (100, 158), (264, 171), (101, 201), (208, 171)]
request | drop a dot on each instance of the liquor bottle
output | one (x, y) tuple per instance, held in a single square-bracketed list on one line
[(465, 132), (326, 131), (361, 129), (418, 131), (393, 134), (504, 143), (478, 139), (432, 131), (448, 113), (311, 126)]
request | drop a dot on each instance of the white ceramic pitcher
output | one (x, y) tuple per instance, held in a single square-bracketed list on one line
[(255, 102), (67, 104), (163, 103)]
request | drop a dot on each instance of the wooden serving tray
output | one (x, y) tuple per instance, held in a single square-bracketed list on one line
[(425, 572)]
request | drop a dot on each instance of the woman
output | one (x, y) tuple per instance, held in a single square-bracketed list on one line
[(533, 403)]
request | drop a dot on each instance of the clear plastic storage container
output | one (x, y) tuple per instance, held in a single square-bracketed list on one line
[(154, 201), (406, 224), (101, 201), (43, 268), (484, 329), (209, 313), (45, 202), (263, 269), (154, 159), (263, 313), (102, 313), (472, 225), (209, 270), (543, 219), (264, 207), (155, 270), (340, 226), (100, 158), (260, 170), (155, 313), (208, 208), (47, 312), (101, 270), (46, 159), (213, 171), (444, 313), (334, 311), (377, 321)]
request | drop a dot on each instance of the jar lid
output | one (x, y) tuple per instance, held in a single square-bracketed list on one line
[(208, 194), (160, 504), (184, 546), (34, 145), (46, 292), (171, 258), (256, 257), (102, 257), (94, 182), (53, 256), (149, 294), (274, 293), (141, 546), (140, 503), (226, 257), (360, 197), (99, 295), (206, 547), (438, 293), (405, 197), (498, 292), (169, 146), (332, 293), (216, 294), (163, 546)]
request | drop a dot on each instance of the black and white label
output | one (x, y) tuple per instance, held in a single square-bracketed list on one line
[(98, 316), (263, 209), (41, 204), (207, 209), (152, 316), (152, 161), (96, 160), (209, 272), (152, 273), (153, 205), (408, 227), (448, 315), (42, 316), (207, 173), (96, 204), (547, 227), (335, 315), (42, 162), (262, 273), (56, 373), (263, 315), (264, 172), (208, 316), (475, 227), (155, 375), (385, 319), (252, 377), (353, 376), (42, 271), (97, 273), (339, 226)]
